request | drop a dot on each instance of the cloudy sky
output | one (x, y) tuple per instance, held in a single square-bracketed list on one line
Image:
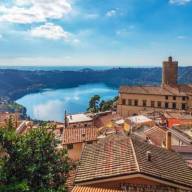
[(95, 32)]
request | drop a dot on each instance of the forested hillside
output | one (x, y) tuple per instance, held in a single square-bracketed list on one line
[(16, 83)]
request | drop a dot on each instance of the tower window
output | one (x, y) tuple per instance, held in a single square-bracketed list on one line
[(136, 102), (174, 97), (130, 102), (183, 98), (166, 97), (159, 104)]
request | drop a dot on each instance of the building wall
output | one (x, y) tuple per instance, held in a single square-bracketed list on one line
[(133, 181), (75, 153), (81, 124), (124, 108)]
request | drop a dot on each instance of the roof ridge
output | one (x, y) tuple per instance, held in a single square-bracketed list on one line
[(134, 154)]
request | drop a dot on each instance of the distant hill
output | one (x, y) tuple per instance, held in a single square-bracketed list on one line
[(16, 83)]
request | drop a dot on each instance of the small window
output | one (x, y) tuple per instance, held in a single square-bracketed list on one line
[(85, 125), (89, 142), (74, 126), (166, 105), (136, 102), (152, 103), (183, 106), (70, 146), (144, 103), (159, 104), (174, 105), (123, 102), (129, 102), (174, 97), (183, 98), (166, 97)]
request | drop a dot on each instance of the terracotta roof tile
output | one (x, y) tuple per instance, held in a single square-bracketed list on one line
[(131, 188), (78, 135), (180, 90), (182, 149), (164, 164), (121, 155), (107, 158), (94, 189), (70, 180), (156, 135)]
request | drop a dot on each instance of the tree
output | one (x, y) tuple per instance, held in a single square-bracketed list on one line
[(31, 162), (106, 105), (94, 104)]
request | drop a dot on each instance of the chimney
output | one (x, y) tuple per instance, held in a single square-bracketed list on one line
[(168, 140), (149, 156)]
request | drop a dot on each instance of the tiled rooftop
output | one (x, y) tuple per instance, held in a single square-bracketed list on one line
[(180, 90), (93, 189), (156, 135), (131, 188), (78, 135), (119, 155), (81, 117), (182, 149)]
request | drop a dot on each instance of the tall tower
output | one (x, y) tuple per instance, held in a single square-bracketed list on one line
[(169, 72)]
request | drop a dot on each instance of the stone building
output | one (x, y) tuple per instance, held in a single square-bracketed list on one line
[(169, 96)]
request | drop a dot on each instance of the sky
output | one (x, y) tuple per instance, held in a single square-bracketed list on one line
[(130, 33)]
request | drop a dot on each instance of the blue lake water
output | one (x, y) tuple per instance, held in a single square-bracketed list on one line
[(51, 104)]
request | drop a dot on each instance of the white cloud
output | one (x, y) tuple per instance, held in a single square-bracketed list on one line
[(179, 2), (50, 31), (111, 13), (30, 11), (54, 32), (181, 37)]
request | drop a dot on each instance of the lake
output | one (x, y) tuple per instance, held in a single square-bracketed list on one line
[(51, 104)]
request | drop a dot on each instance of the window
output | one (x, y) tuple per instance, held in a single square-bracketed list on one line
[(183, 98), (130, 102), (123, 102), (174, 97), (152, 103), (174, 106), (144, 103), (166, 97), (85, 125), (136, 102), (183, 106), (166, 105), (70, 146), (159, 104), (89, 142)]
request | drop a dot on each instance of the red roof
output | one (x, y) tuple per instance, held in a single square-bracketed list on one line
[(79, 135)]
